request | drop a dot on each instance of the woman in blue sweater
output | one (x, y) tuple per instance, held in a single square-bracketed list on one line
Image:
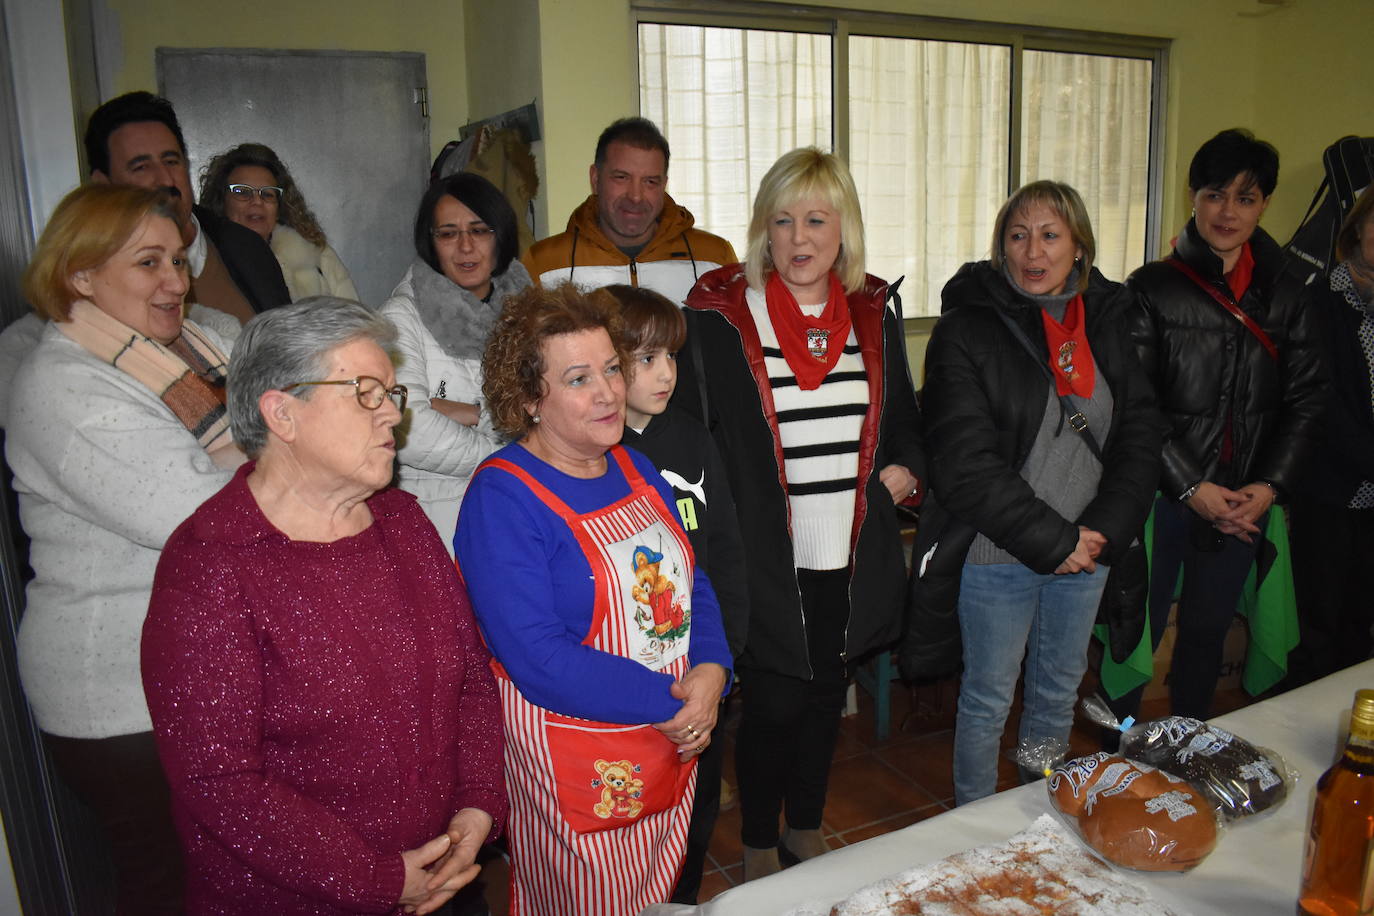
[(610, 655)]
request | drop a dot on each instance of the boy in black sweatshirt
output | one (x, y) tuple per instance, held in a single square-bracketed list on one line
[(682, 450)]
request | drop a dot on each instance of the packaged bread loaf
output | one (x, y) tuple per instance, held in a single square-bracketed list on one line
[(1238, 778), (1173, 830), (1134, 814)]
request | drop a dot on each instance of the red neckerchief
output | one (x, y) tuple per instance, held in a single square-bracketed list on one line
[(811, 346), (1070, 357), (1239, 277)]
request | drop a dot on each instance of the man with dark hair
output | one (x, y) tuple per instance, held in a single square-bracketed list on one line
[(629, 230), (135, 139)]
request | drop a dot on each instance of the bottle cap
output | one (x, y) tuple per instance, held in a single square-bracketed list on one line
[(1362, 713)]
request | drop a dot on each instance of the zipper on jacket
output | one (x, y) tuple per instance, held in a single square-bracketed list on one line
[(634, 272), (854, 547)]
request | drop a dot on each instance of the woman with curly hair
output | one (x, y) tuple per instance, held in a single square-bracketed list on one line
[(610, 654), (250, 185)]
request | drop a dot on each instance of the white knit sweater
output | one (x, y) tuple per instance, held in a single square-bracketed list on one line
[(104, 472)]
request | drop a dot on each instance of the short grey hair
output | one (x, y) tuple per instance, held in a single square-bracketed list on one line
[(292, 344)]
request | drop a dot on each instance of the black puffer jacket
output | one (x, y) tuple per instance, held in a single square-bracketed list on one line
[(1343, 455), (984, 400), (743, 421), (983, 403), (1207, 367)]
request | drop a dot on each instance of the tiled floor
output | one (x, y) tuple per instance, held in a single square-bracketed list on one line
[(877, 787)]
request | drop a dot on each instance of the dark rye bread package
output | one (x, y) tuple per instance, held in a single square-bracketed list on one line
[(1238, 778)]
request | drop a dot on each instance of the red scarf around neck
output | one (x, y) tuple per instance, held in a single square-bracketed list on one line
[(1070, 358), (1239, 277), (811, 346)]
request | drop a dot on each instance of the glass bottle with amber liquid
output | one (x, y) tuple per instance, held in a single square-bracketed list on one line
[(1338, 869)]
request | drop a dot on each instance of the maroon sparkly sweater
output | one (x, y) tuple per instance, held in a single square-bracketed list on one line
[(319, 708)]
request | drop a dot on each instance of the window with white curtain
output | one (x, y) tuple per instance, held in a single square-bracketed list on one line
[(928, 129), (930, 136), (1085, 121), (730, 102)]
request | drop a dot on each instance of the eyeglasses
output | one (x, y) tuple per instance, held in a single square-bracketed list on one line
[(244, 193), (371, 392), (451, 233)]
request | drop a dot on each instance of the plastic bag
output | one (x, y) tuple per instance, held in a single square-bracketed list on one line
[(1133, 814), (1238, 778)]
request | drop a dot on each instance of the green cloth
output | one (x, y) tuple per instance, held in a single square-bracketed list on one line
[(1273, 614), (1271, 610)]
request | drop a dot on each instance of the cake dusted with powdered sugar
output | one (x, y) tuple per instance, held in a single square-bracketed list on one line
[(1042, 869)]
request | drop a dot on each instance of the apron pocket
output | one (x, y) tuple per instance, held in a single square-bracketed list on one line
[(612, 776)]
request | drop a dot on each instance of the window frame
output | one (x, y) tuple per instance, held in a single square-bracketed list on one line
[(840, 24)]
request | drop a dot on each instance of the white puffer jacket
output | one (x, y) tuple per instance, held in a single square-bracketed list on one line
[(437, 454)]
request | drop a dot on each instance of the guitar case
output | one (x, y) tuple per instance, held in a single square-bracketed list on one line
[(1349, 164)]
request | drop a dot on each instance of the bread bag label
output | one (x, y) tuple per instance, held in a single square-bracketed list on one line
[(1177, 805)]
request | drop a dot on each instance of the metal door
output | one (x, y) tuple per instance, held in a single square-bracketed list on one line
[(352, 126)]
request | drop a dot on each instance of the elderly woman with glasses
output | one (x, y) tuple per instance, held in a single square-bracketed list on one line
[(251, 186), (444, 309), (322, 701)]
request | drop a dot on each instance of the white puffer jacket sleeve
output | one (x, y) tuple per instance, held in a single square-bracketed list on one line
[(433, 442)]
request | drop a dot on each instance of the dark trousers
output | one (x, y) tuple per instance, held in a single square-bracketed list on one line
[(1215, 568), (120, 779), (705, 808), (788, 726), (1333, 556)]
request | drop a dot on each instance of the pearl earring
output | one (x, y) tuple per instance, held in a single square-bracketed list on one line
[(536, 418)]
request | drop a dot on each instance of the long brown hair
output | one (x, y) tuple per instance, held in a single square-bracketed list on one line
[(293, 212)]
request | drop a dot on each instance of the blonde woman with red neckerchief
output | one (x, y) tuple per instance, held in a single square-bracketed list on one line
[(803, 382)]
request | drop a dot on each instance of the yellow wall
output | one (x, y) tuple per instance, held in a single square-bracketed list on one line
[(595, 40), (504, 70), (1313, 88), (433, 27)]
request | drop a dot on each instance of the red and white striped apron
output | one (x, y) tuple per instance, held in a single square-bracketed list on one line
[(599, 811)]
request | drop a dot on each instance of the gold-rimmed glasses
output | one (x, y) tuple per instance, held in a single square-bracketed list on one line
[(370, 392)]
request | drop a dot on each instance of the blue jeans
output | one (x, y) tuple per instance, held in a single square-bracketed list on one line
[(1007, 612)]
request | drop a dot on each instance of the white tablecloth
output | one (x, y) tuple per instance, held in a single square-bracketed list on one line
[(1254, 870)]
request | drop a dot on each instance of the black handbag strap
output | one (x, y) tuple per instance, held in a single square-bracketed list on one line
[(1067, 406)]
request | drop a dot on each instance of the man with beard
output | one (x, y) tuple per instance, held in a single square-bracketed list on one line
[(629, 230), (135, 139)]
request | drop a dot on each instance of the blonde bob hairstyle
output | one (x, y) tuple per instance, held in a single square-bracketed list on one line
[(87, 228), (513, 363), (1064, 201), (802, 173), (1348, 239)]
